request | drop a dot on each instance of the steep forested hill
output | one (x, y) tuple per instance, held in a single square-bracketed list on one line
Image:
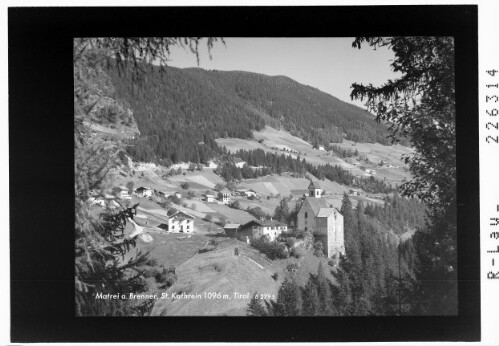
[(181, 111)]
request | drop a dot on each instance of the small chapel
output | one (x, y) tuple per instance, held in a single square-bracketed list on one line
[(325, 222)]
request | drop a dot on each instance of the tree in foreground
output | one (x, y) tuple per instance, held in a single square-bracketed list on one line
[(420, 106), (103, 259)]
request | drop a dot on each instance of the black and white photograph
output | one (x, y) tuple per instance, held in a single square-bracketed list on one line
[(252, 174), (265, 176)]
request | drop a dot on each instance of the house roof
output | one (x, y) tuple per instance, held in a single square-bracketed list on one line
[(180, 215), (232, 225), (325, 212), (316, 204), (315, 184), (210, 195), (265, 223)]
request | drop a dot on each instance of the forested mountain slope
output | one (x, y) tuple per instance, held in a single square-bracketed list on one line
[(181, 111)]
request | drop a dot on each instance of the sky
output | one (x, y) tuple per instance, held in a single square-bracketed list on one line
[(328, 64)]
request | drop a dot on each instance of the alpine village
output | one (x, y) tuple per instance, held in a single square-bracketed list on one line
[(229, 193)]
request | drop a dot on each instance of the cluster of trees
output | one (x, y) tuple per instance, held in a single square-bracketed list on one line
[(341, 152), (180, 112), (315, 299), (373, 185), (418, 276), (397, 213), (272, 249), (420, 106), (376, 276), (272, 163)]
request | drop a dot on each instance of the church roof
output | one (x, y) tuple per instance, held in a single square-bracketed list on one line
[(316, 204), (315, 184), (325, 212)]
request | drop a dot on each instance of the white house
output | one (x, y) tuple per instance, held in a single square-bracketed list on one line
[(144, 192), (224, 196), (321, 147), (178, 223), (209, 198), (99, 201), (246, 192), (257, 228), (123, 194)]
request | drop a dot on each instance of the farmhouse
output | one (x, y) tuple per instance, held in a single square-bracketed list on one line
[(144, 192), (224, 196), (325, 222), (178, 223), (256, 229), (99, 200), (355, 192), (124, 193), (321, 147), (209, 198)]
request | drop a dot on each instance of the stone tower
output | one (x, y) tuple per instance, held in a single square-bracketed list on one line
[(314, 189), (324, 221)]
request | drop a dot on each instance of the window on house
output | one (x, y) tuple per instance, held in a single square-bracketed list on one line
[(306, 215), (187, 226), (306, 229)]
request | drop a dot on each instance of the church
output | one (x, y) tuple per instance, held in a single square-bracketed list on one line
[(325, 222)]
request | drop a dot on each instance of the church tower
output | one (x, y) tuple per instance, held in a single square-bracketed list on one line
[(314, 189)]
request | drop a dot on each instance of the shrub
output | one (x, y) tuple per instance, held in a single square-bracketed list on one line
[(222, 221), (271, 249), (235, 205), (290, 242), (298, 252), (185, 186), (275, 276), (174, 199), (318, 249), (208, 218), (166, 277)]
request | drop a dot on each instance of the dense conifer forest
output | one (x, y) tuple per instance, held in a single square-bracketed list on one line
[(181, 111), (376, 278)]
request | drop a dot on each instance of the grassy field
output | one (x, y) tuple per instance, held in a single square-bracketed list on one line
[(170, 249), (273, 140), (219, 271), (232, 215)]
